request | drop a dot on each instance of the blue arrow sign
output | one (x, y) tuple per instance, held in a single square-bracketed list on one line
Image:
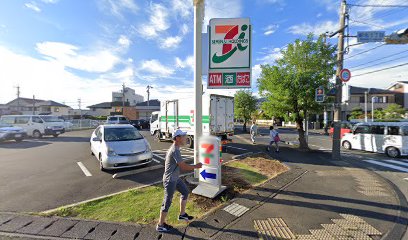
[(206, 175)]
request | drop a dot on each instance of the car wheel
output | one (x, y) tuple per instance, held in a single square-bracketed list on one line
[(392, 152), (190, 141), (19, 139), (100, 163), (157, 136), (347, 145), (37, 134)]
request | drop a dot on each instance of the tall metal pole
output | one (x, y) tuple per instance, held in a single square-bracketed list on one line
[(123, 98), (198, 116), (372, 109), (80, 113), (33, 104), (365, 106), (340, 58)]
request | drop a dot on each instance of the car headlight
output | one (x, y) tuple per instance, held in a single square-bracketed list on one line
[(48, 127), (111, 153)]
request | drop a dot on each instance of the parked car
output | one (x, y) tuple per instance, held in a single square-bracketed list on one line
[(9, 132), (140, 124), (117, 119), (345, 128), (120, 146), (36, 126), (390, 138)]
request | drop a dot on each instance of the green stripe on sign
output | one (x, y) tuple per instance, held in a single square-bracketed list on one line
[(184, 119)]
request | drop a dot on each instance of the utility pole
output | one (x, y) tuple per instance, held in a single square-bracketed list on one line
[(18, 97), (123, 98), (372, 109), (365, 106), (80, 113), (340, 58), (148, 96), (33, 104), (198, 91)]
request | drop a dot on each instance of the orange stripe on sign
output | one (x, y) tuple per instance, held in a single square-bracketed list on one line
[(223, 28)]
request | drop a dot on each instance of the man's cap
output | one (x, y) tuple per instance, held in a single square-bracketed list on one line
[(178, 132)]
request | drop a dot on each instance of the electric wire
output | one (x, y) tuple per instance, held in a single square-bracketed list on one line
[(380, 70), (379, 59), (380, 63), (365, 51)]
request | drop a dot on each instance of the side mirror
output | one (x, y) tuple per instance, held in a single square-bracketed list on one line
[(96, 139)]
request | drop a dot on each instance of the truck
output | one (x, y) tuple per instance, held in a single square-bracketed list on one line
[(218, 118)]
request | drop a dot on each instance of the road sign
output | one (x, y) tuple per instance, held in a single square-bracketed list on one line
[(229, 53), (345, 75), (370, 36), (319, 95), (210, 174)]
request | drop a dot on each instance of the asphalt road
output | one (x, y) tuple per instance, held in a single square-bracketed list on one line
[(38, 175)]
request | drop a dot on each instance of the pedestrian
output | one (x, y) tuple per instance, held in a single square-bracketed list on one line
[(172, 181), (274, 138), (253, 131)]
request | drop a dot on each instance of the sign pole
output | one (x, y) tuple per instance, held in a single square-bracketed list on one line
[(198, 118)]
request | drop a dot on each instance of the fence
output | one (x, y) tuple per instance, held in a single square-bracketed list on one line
[(78, 124)]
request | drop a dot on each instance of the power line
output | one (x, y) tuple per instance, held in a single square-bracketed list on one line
[(379, 70), (365, 51), (373, 65), (379, 59), (371, 24), (376, 5)]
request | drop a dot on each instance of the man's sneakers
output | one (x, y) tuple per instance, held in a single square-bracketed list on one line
[(185, 217), (163, 228)]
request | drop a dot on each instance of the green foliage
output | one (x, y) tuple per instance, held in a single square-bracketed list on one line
[(244, 104), (357, 113), (289, 85), (394, 111)]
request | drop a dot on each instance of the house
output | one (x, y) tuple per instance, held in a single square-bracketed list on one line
[(106, 109), (401, 87), (144, 109), (129, 95), (377, 98), (37, 106)]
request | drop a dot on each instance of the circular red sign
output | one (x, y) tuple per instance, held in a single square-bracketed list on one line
[(345, 75)]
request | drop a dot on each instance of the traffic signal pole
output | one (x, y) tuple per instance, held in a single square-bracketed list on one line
[(337, 110)]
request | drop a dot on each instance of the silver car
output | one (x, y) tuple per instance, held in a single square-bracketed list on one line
[(120, 146)]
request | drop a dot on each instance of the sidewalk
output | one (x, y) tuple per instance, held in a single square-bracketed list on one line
[(316, 199)]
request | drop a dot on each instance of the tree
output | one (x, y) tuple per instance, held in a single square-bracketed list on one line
[(244, 106), (356, 113), (394, 111), (379, 114), (289, 85)]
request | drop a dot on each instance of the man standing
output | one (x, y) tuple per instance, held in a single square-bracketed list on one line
[(253, 131), (172, 181)]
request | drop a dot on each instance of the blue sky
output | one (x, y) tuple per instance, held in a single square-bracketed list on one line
[(69, 49)]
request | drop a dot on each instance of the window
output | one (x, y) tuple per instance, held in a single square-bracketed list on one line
[(22, 120), (362, 99), (362, 130), (36, 120), (393, 130), (56, 109), (9, 120), (377, 130), (154, 117), (404, 130)]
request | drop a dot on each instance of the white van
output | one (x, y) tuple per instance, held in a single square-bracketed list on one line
[(390, 138), (36, 125)]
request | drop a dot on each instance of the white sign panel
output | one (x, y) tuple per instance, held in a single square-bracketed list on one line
[(229, 53)]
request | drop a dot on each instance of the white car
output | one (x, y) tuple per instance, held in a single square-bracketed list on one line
[(9, 132), (120, 146)]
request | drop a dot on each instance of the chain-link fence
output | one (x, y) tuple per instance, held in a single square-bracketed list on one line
[(77, 124)]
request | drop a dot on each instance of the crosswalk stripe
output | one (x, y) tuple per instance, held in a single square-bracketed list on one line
[(387, 165), (160, 157), (156, 161), (398, 162)]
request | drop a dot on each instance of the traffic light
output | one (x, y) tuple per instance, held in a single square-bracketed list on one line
[(399, 37)]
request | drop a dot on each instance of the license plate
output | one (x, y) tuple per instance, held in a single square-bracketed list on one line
[(57, 132), (17, 135)]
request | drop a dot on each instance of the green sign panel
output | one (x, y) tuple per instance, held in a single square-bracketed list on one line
[(229, 79)]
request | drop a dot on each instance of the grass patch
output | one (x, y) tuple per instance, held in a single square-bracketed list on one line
[(143, 205)]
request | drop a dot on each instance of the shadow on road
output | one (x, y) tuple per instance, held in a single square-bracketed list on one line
[(23, 145)]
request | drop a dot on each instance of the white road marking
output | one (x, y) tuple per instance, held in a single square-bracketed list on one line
[(132, 172), (156, 160), (387, 165), (160, 157), (84, 169), (243, 149), (398, 162)]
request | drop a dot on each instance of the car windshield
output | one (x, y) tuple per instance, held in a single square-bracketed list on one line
[(51, 119), (3, 124), (121, 134)]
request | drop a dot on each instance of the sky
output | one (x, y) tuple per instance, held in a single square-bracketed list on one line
[(63, 50)]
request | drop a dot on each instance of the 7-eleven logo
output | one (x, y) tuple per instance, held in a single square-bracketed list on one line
[(208, 152), (230, 44)]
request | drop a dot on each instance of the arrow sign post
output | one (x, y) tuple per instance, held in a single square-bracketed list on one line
[(206, 175)]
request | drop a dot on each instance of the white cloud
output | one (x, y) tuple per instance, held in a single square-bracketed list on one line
[(270, 29), (271, 56), (184, 29), (158, 22), (118, 7), (67, 55), (186, 63), (50, 1), (222, 8), (33, 6), (156, 69), (124, 41), (171, 42), (184, 8), (317, 29)]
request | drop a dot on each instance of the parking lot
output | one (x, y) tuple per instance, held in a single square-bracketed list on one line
[(42, 174)]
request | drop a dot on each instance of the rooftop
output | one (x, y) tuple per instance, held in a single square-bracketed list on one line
[(153, 102), (361, 90)]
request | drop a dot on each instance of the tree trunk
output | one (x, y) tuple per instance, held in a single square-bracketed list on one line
[(244, 126), (301, 132)]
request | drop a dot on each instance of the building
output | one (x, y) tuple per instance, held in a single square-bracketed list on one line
[(144, 109), (377, 98), (28, 106), (130, 96), (401, 87), (106, 109)]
